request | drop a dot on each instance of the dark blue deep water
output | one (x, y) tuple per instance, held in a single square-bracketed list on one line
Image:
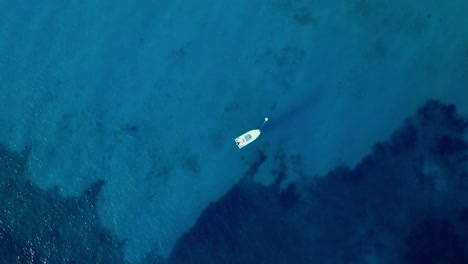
[(118, 122)]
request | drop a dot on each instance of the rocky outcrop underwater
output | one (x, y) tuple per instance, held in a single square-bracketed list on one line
[(38, 226), (406, 202)]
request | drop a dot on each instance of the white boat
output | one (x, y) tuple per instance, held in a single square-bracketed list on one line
[(249, 136)]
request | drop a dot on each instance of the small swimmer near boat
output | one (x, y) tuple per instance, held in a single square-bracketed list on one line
[(249, 136)]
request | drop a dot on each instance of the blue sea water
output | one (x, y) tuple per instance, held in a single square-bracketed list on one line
[(123, 114)]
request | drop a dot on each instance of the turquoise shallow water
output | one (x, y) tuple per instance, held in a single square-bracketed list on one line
[(148, 97)]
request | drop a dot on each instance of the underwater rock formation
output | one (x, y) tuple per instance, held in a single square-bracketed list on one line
[(406, 202), (403, 203), (38, 226)]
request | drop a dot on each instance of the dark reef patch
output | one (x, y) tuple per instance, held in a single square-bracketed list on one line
[(447, 145), (436, 241), (250, 173), (39, 226), (131, 129), (303, 16), (217, 139), (191, 163), (403, 203), (289, 197)]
